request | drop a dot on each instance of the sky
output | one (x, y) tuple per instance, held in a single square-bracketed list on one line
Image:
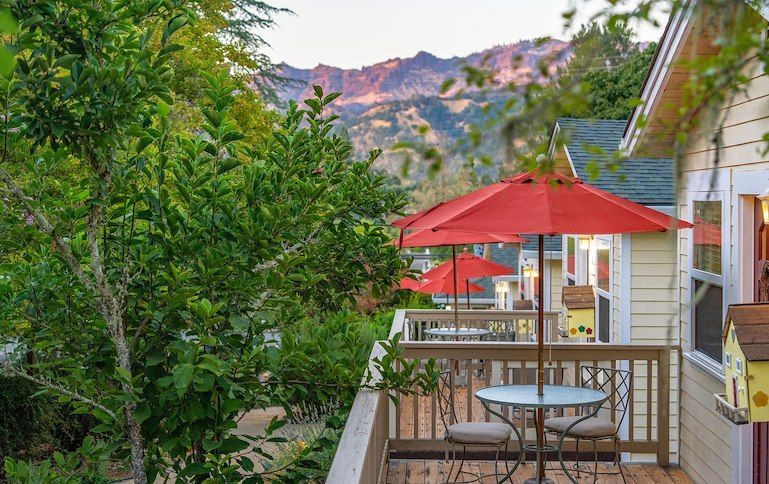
[(354, 33)]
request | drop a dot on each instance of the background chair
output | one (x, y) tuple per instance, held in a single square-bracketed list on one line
[(606, 424), (474, 434)]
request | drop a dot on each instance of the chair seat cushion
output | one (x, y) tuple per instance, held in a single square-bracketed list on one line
[(591, 427), (479, 433)]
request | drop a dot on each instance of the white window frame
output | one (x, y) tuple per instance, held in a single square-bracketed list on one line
[(711, 365), (567, 275), (582, 263), (600, 292)]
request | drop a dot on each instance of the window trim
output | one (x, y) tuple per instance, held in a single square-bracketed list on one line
[(601, 292), (571, 275), (706, 362), (610, 241)]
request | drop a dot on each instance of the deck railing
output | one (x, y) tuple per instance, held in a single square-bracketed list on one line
[(376, 427), (503, 325), (361, 453), (481, 364)]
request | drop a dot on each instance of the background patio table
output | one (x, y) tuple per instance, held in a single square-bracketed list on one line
[(454, 333), (553, 397)]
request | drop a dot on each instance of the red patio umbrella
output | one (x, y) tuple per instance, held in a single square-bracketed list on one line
[(548, 204), (446, 286), (542, 204), (468, 266), (409, 284), (437, 238), (465, 267)]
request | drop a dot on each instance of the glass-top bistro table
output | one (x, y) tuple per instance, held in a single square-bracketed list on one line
[(555, 397), (457, 333)]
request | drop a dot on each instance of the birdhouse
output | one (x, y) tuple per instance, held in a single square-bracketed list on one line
[(746, 364), (579, 308)]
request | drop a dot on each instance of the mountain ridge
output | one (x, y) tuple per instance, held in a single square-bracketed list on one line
[(388, 101)]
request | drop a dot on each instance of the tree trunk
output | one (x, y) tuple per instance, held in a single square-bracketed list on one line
[(133, 430)]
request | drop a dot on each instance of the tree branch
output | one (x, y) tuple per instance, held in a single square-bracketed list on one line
[(44, 382), (41, 221)]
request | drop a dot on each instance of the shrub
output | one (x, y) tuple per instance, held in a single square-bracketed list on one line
[(33, 425)]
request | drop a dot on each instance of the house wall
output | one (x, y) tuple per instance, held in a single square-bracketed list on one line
[(653, 289), (713, 449), (647, 298), (556, 281)]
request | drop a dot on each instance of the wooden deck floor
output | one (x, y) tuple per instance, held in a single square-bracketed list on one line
[(417, 471)]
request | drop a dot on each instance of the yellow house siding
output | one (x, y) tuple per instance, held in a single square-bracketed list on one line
[(556, 288), (706, 437), (652, 269), (651, 294)]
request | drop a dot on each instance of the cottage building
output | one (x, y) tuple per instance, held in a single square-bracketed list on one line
[(633, 274), (719, 261)]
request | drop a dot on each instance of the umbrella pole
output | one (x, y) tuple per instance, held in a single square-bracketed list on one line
[(456, 298), (467, 282), (541, 355)]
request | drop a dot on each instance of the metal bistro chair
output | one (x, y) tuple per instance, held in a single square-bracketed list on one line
[(464, 434), (608, 420)]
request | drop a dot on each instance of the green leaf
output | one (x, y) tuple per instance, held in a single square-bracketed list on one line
[(173, 25), (163, 108), (232, 444), (8, 24), (232, 405), (142, 412), (183, 375), (211, 363), (66, 60), (194, 469), (125, 374), (447, 84), (155, 358), (6, 61), (239, 322)]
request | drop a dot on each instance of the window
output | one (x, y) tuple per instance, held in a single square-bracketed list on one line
[(603, 319), (708, 317), (571, 254), (738, 366), (728, 359), (707, 279), (603, 264), (707, 236)]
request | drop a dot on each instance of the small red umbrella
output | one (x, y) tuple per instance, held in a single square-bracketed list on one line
[(446, 286), (542, 204), (465, 267), (409, 284), (468, 266), (437, 238)]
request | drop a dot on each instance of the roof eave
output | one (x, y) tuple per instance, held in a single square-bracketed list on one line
[(656, 78)]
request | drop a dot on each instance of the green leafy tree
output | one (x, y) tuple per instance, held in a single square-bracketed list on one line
[(613, 92), (146, 263)]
